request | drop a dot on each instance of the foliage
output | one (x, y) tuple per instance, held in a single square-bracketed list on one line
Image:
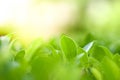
[(58, 59)]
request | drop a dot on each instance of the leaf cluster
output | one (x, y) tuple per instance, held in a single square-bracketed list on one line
[(57, 59)]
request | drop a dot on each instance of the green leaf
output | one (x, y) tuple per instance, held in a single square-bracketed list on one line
[(83, 60), (96, 73), (42, 67), (32, 49), (116, 58), (110, 69), (94, 62), (20, 55), (99, 52), (80, 50), (68, 47), (108, 53), (86, 75)]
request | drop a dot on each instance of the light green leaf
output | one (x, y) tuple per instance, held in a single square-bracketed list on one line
[(96, 73), (68, 47), (110, 69), (32, 49)]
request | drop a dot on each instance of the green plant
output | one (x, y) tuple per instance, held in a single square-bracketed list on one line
[(57, 60)]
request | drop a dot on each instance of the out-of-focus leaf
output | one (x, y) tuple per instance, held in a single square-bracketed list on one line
[(108, 53), (116, 58), (68, 47), (32, 49), (85, 74), (83, 59), (96, 73), (66, 72), (20, 55), (42, 67), (99, 52), (110, 69), (80, 50), (94, 62)]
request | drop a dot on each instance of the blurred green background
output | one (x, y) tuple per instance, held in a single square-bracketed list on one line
[(31, 19)]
